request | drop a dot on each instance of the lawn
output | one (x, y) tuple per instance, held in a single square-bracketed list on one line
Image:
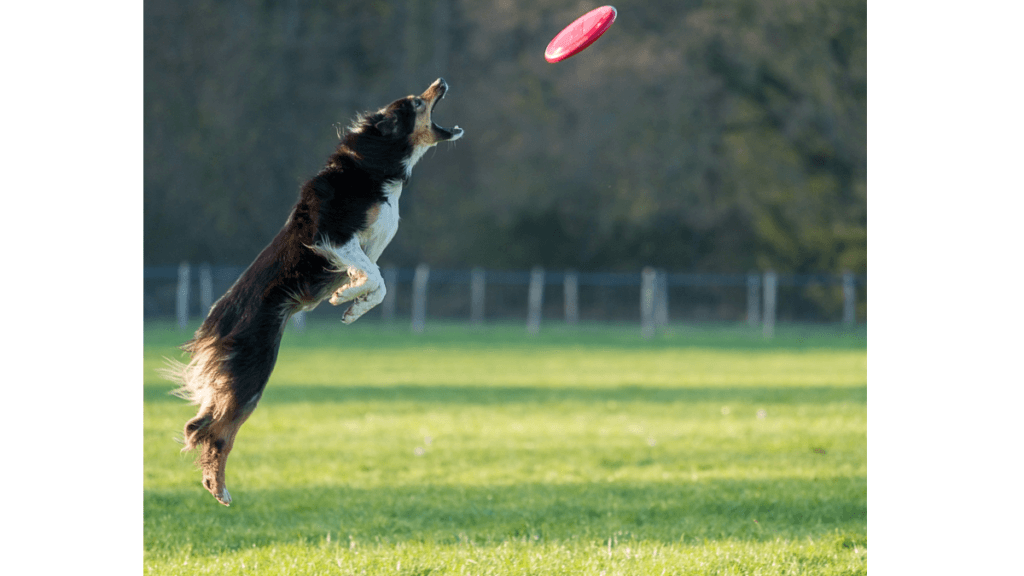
[(706, 450)]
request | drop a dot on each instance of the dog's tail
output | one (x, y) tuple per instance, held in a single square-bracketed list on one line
[(202, 382)]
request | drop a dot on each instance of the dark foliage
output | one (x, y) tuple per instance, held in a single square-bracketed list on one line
[(720, 135)]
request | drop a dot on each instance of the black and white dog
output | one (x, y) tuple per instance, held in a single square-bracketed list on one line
[(328, 248)]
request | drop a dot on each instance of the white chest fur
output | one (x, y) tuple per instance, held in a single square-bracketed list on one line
[(379, 234)]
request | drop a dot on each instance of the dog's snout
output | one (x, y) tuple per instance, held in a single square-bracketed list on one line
[(438, 88), (436, 91)]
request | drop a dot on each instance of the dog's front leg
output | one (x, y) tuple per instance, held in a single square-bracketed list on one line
[(365, 285)]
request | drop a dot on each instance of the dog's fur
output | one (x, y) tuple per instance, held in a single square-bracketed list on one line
[(328, 248)]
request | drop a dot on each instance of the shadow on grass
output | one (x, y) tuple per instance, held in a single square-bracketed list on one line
[(496, 395), (756, 510)]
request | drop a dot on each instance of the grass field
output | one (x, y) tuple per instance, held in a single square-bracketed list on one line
[(706, 450)]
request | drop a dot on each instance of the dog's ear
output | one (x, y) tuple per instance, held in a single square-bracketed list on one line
[(387, 125)]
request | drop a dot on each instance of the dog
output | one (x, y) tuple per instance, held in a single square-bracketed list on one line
[(328, 249)]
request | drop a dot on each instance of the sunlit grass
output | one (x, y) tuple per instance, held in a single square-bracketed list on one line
[(492, 452)]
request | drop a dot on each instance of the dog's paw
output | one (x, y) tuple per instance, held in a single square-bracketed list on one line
[(224, 497), (349, 293), (363, 304), (355, 311), (357, 286), (218, 489)]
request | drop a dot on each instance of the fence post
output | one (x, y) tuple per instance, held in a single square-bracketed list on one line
[(535, 300), (387, 307), (849, 298), (753, 299), (571, 296), (770, 289), (477, 292), (419, 297), (184, 288), (205, 289), (648, 281), (661, 298)]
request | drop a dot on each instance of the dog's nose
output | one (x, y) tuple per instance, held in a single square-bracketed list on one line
[(439, 88)]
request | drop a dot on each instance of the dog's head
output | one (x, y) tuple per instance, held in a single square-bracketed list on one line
[(406, 125), (413, 116)]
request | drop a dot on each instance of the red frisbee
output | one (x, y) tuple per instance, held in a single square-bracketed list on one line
[(580, 34)]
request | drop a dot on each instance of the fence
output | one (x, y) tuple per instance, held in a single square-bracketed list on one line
[(651, 297)]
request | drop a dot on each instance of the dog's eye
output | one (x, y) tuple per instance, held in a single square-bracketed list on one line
[(418, 103)]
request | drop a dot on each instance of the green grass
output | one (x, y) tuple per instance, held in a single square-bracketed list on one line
[(706, 450)]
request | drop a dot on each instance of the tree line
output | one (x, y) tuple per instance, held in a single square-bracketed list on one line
[(716, 135)]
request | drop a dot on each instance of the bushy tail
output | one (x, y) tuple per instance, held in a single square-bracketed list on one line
[(201, 382)]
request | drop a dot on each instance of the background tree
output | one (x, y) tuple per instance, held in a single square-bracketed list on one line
[(722, 135)]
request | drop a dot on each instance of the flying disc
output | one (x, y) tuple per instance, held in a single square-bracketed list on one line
[(580, 34)]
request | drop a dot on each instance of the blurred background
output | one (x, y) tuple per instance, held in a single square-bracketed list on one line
[(700, 137)]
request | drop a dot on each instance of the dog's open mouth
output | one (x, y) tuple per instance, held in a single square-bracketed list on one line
[(434, 94)]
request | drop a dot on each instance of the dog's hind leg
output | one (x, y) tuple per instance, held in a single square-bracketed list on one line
[(215, 437), (226, 381)]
